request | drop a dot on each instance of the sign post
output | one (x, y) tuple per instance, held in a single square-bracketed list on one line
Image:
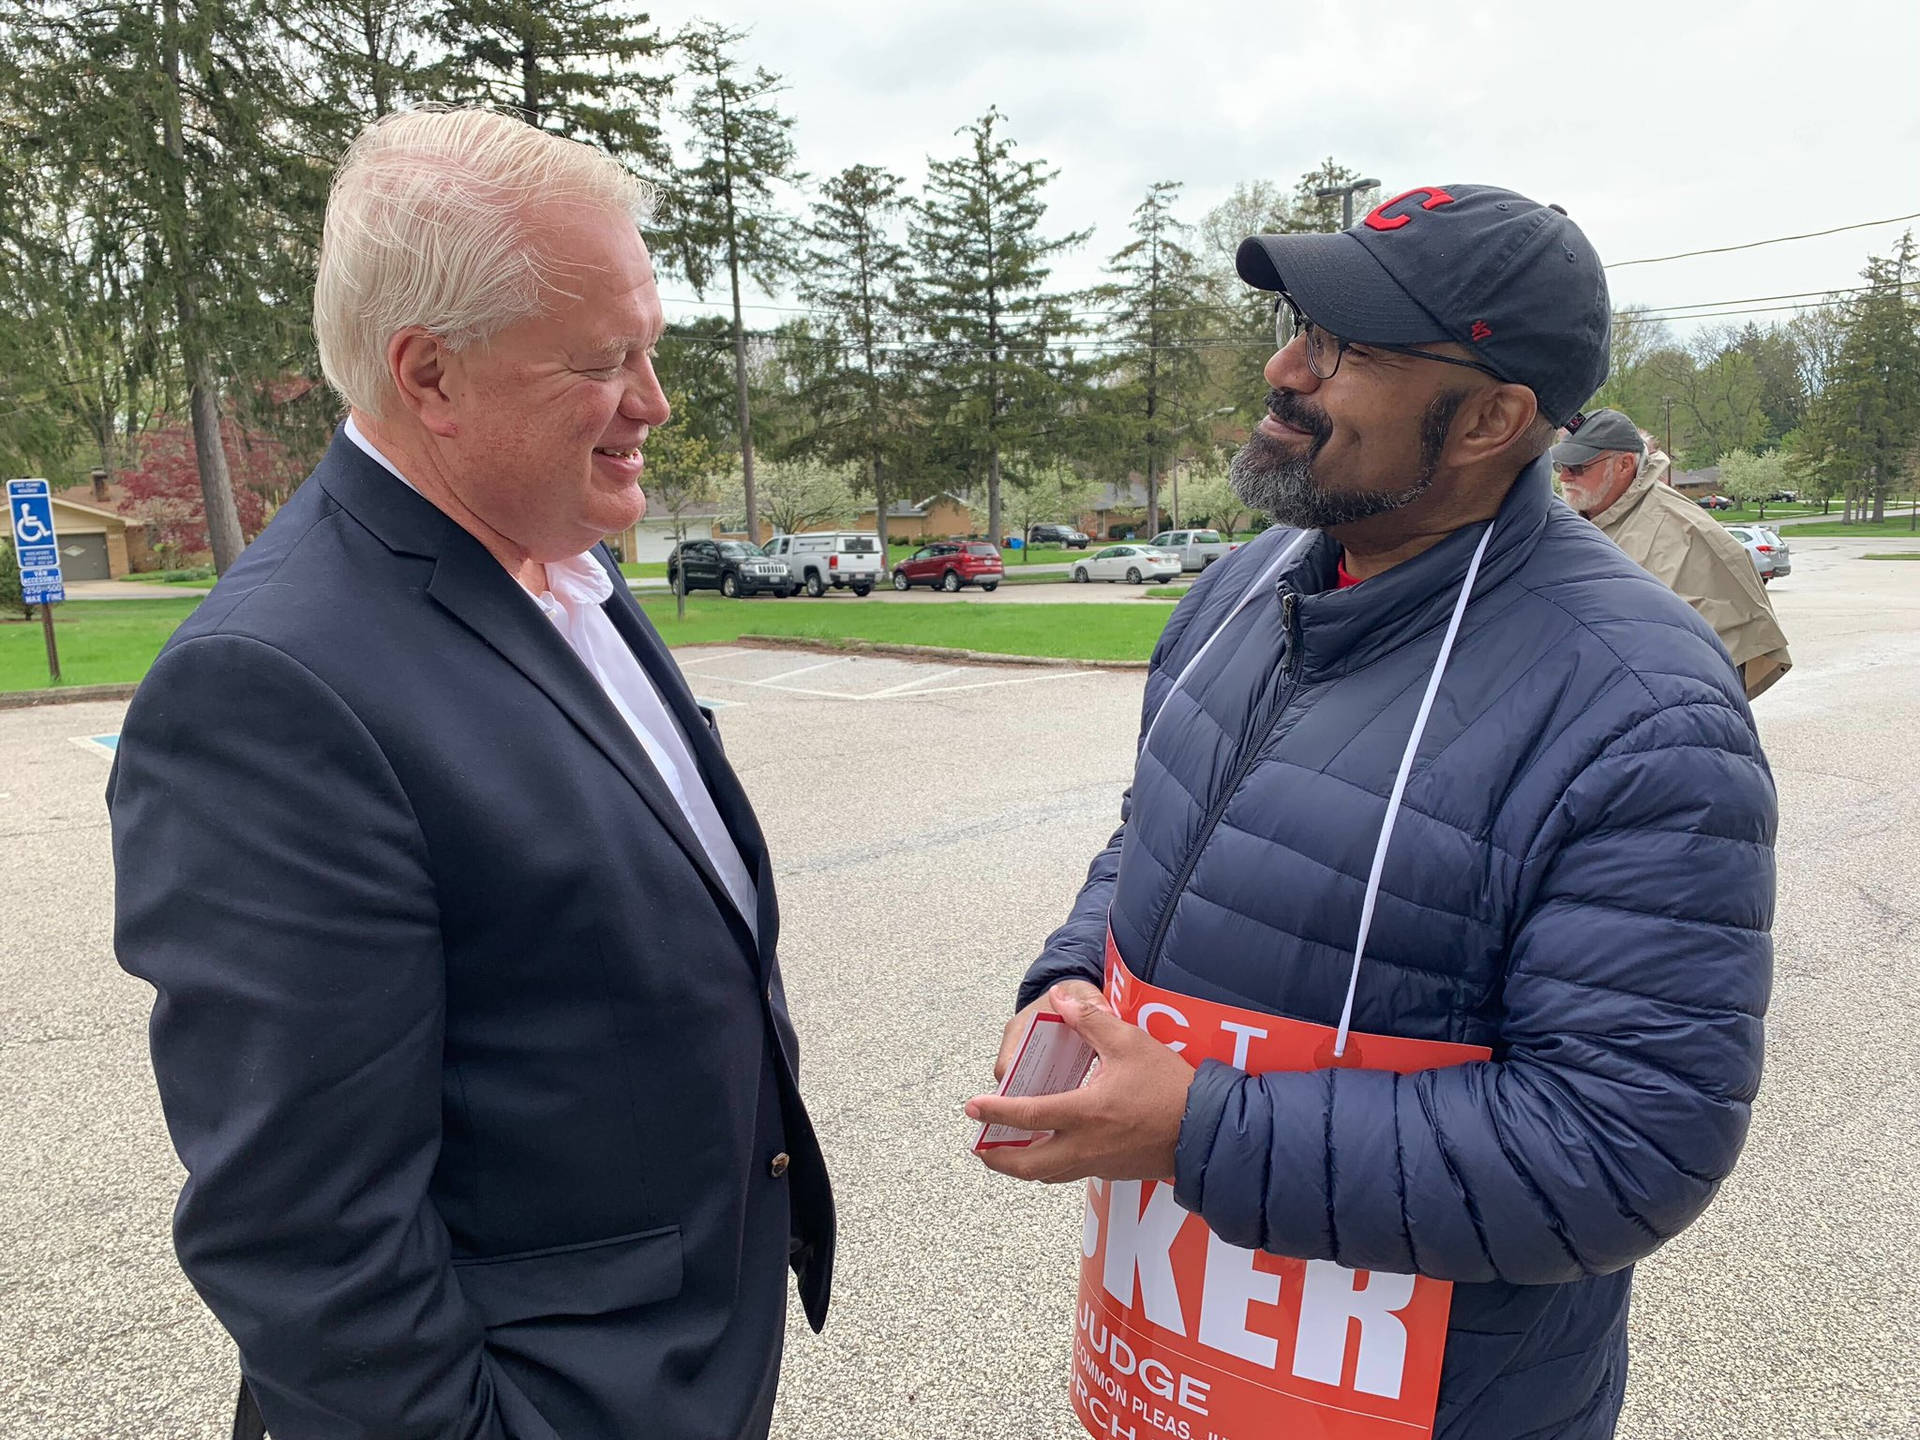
[(37, 549)]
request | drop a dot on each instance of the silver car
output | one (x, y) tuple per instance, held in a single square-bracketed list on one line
[(1134, 564), (1769, 553)]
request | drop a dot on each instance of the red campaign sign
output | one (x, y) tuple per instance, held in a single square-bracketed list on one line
[(1181, 1335)]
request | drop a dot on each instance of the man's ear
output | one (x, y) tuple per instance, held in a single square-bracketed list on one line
[(420, 367), (1493, 420)]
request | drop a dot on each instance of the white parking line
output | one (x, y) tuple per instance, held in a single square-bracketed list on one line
[(984, 685), (917, 680), (783, 689), (803, 670), (897, 692), (705, 655)]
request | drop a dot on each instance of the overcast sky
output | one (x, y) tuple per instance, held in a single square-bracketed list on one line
[(1660, 125)]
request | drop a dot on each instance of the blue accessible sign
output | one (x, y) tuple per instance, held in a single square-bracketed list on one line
[(35, 545)]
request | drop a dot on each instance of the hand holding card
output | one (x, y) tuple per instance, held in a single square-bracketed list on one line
[(1051, 1058)]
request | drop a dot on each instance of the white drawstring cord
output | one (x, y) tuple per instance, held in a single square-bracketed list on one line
[(1400, 788), (1301, 541)]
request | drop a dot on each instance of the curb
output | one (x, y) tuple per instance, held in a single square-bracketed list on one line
[(932, 652), (66, 695)]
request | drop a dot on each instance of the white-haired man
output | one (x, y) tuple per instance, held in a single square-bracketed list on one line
[(1610, 472), (469, 1027)]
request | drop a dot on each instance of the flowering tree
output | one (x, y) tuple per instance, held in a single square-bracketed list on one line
[(794, 495), (1753, 479)]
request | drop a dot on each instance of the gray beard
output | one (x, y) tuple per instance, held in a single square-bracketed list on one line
[(1278, 482)]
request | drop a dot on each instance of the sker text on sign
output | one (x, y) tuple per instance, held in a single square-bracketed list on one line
[(1181, 1336)]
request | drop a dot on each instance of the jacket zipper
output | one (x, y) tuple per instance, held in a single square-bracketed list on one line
[(1259, 726)]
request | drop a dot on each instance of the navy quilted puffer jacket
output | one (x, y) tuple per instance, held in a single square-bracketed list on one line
[(1581, 878)]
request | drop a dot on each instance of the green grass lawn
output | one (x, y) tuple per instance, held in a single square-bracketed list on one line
[(1895, 555), (102, 642), (1750, 515), (644, 569), (1072, 632), (1895, 527)]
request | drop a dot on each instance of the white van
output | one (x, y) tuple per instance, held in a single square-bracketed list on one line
[(842, 559)]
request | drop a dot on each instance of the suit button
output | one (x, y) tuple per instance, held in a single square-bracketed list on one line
[(778, 1165)]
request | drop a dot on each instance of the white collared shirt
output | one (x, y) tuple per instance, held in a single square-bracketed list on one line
[(577, 589)]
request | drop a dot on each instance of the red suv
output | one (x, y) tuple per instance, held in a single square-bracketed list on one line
[(950, 564)]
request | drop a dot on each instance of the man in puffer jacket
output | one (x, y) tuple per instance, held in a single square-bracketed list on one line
[(1578, 872)]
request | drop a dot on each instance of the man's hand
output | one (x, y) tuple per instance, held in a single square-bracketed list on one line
[(1122, 1124), (1017, 1027)]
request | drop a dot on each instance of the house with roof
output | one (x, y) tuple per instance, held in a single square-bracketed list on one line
[(941, 516), (97, 541), (652, 538)]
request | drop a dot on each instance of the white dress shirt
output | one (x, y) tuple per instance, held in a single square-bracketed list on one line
[(576, 591)]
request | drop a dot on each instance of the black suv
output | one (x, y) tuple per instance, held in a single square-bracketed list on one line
[(1057, 535), (733, 567)]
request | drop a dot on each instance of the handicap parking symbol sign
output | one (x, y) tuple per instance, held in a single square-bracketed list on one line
[(36, 547)]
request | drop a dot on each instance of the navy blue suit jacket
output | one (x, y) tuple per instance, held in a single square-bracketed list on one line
[(480, 1079)]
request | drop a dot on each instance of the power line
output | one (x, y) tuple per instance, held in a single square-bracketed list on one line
[(1756, 244), (1085, 344)]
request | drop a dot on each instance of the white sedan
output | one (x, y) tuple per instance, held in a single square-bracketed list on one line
[(1135, 564)]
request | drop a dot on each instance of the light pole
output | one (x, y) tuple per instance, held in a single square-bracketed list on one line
[(1346, 194)]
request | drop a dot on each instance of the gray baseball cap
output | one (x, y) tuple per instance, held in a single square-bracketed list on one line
[(1511, 280), (1601, 433)]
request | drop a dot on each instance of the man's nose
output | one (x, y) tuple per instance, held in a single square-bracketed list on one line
[(646, 399), (1288, 369)]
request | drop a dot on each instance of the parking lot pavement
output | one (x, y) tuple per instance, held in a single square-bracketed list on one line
[(930, 824)]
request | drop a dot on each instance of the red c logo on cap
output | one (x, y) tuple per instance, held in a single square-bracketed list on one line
[(1378, 219)]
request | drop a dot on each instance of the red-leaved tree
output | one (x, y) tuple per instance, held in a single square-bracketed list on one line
[(163, 488)]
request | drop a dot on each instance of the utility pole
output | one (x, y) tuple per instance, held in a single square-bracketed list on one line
[(1346, 194)]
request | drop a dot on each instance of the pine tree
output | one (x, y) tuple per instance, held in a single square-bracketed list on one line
[(573, 67), (980, 295), (162, 126), (723, 216), (361, 59), (1868, 413), (1158, 313), (858, 274), (1313, 212)]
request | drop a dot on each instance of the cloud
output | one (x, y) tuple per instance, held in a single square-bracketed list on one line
[(1660, 127)]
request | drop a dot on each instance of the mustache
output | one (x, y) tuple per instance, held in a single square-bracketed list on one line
[(1290, 409)]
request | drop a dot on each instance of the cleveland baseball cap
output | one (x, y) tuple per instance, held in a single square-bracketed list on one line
[(1589, 436), (1512, 280)]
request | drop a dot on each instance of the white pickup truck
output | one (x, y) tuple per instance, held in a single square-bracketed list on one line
[(830, 559), (1197, 549)]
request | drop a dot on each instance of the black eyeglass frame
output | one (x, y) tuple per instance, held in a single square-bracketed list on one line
[(1284, 305)]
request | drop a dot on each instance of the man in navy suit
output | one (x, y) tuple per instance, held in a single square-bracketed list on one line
[(469, 1027)]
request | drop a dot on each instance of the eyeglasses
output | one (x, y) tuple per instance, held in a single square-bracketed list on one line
[(1579, 471), (1325, 349)]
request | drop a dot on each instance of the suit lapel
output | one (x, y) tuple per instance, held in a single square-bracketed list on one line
[(471, 585), (729, 796)]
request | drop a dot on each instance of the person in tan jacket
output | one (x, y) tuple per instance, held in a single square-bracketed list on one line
[(1611, 474)]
